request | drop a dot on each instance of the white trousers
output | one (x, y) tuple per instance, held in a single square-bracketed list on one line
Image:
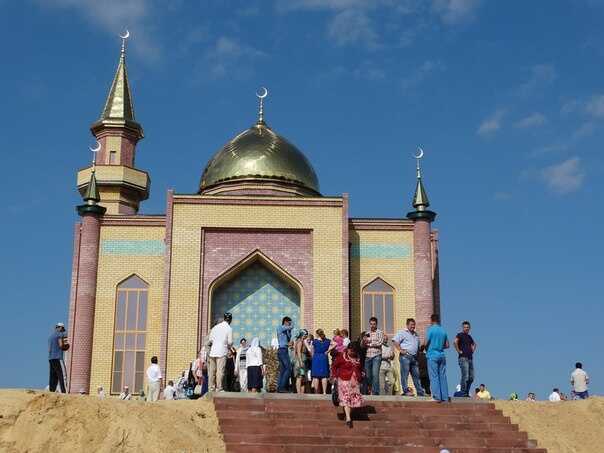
[(153, 391)]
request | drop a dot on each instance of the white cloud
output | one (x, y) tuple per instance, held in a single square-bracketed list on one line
[(585, 130), (455, 11), (595, 106), (352, 27), (230, 57), (492, 124), (114, 16), (565, 177), (426, 69), (541, 75), (502, 196), (534, 120)]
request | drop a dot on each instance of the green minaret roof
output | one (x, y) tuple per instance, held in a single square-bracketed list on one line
[(91, 198), (420, 198)]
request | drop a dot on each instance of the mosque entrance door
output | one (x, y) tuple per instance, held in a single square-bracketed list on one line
[(258, 298)]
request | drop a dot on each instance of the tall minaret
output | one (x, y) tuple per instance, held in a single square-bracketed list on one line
[(422, 251), (82, 323), (121, 186)]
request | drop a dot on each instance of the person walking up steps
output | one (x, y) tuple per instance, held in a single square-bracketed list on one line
[(436, 343), (465, 347)]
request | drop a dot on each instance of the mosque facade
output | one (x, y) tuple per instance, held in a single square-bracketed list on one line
[(257, 238)]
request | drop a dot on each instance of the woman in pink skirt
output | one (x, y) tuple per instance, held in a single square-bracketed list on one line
[(346, 368)]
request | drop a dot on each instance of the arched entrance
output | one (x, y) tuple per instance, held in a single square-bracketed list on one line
[(258, 298)]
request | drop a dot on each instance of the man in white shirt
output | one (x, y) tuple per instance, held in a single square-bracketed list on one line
[(169, 391), (221, 340), (154, 378), (555, 396), (579, 380)]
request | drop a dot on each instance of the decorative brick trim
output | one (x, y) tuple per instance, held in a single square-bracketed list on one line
[(435, 271), (345, 265), (257, 201), (381, 224), (75, 268), (135, 220), (165, 312)]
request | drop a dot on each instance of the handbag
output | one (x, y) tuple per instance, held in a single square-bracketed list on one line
[(335, 398)]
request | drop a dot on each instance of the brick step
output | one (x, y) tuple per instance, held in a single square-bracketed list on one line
[(251, 402), (301, 448), (438, 410), (380, 416), (364, 430), (359, 440), (398, 426)]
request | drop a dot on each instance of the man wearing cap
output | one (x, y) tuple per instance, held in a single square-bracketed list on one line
[(221, 341), (57, 343)]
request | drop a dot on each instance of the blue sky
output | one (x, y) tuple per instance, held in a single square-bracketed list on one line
[(506, 98)]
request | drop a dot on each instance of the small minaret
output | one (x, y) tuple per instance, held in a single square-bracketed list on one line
[(121, 186), (422, 253), (82, 324)]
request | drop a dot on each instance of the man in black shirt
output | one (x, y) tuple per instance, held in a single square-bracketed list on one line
[(465, 347)]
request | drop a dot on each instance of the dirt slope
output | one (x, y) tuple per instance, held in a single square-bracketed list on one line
[(40, 422), (565, 427)]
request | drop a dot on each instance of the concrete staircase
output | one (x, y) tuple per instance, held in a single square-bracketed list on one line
[(268, 423)]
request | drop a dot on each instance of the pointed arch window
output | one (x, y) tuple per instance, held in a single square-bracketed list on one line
[(129, 336), (378, 301)]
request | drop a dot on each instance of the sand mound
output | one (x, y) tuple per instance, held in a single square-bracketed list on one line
[(565, 427), (33, 421)]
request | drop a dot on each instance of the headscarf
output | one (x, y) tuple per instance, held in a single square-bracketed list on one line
[(255, 343)]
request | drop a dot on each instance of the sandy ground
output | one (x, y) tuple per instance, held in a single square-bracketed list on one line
[(565, 427), (35, 421)]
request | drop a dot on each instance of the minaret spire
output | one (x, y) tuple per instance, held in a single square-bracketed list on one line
[(91, 195), (118, 105), (420, 198)]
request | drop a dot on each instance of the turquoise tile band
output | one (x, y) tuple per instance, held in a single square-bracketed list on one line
[(133, 248), (381, 251)]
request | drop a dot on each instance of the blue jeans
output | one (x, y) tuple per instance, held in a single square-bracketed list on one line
[(285, 367), (409, 365), (372, 371), (466, 366), (437, 370)]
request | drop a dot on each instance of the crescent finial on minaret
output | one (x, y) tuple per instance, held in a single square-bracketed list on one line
[(124, 37), (94, 153), (261, 94), (418, 156)]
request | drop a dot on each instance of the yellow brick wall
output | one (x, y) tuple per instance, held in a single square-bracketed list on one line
[(398, 272), (188, 219), (112, 270)]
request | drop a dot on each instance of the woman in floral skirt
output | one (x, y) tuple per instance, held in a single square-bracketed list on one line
[(346, 369)]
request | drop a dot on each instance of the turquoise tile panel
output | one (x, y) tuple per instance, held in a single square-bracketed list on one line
[(382, 251), (258, 300), (133, 248)]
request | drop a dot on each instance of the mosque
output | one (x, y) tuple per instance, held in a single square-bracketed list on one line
[(257, 238)]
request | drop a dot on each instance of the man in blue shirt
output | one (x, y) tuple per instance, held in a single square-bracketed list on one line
[(57, 343), (435, 345), (407, 343), (284, 335)]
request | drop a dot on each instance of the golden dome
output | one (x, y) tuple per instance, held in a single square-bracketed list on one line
[(260, 154)]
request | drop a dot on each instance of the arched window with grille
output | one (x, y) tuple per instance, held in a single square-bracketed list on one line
[(378, 301), (129, 335)]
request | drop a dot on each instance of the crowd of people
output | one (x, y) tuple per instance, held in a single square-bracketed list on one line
[(313, 363)]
